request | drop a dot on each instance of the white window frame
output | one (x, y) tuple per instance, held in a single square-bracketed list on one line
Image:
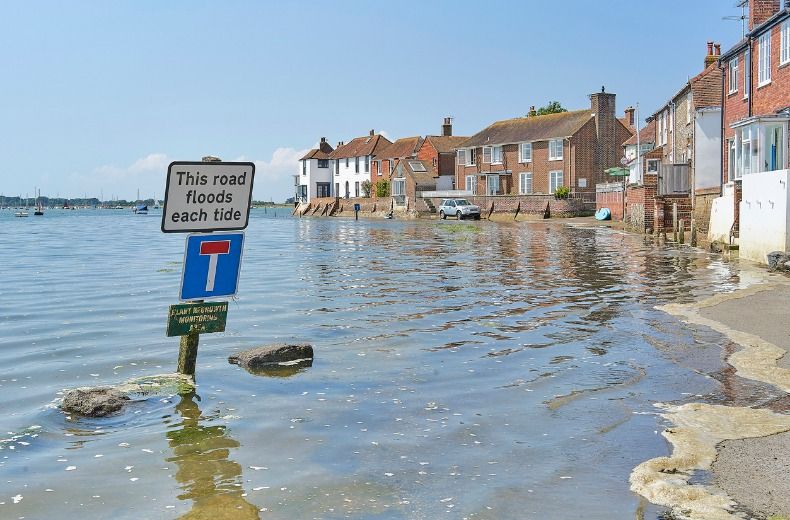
[(552, 176), (460, 158), (399, 187), (492, 188), (732, 75), (523, 156), (471, 184), (497, 154), (764, 59), (784, 43), (652, 162), (747, 72), (378, 168), (487, 151), (553, 156), (525, 183)]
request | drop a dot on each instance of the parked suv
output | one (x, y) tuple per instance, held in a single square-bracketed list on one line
[(460, 208)]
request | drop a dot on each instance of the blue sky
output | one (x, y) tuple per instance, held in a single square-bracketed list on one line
[(98, 97)]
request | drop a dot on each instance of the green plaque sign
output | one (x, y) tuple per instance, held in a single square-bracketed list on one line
[(197, 317)]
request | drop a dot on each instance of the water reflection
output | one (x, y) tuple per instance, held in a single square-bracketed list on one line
[(207, 476)]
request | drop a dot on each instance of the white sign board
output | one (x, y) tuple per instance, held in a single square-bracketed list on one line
[(207, 196)]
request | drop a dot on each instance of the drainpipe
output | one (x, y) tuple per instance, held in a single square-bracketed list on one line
[(672, 111)]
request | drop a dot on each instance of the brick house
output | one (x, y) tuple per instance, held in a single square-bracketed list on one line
[(756, 111), (388, 154), (440, 151), (410, 176), (315, 176), (688, 128), (352, 163), (538, 154)]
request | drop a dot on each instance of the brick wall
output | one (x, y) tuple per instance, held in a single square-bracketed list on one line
[(775, 95), (611, 199)]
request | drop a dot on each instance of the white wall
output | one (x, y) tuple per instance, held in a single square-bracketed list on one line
[(314, 175), (707, 149), (445, 182), (765, 221), (349, 174), (722, 217)]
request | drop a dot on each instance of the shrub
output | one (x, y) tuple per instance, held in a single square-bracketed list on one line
[(562, 192), (383, 188), (366, 187)]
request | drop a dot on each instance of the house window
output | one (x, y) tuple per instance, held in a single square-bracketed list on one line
[(525, 152), (732, 78), (399, 187), (356, 164), (747, 70), (555, 181), (555, 150), (389, 166), (487, 155), (492, 184), (304, 167), (337, 167), (471, 184), (652, 165), (379, 171), (496, 155), (525, 183), (461, 157), (337, 189), (356, 189), (346, 162), (784, 55), (367, 164), (764, 60), (323, 163)]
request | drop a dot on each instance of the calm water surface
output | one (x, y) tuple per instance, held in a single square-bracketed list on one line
[(462, 370)]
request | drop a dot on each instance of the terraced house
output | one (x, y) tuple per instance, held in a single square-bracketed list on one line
[(755, 205), (352, 163), (315, 175), (538, 154)]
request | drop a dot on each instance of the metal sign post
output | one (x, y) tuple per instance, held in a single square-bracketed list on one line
[(200, 198)]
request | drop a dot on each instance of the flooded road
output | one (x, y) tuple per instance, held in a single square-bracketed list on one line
[(462, 370)]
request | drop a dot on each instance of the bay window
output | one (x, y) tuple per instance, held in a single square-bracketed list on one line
[(758, 147)]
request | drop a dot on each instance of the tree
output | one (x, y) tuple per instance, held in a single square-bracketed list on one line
[(366, 187), (553, 107), (383, 188)]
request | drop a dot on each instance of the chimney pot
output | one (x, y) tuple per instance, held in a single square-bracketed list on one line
[(710, 48), (717, 46), (447, 127), (372, 132), (323, 139), (629, 115), (711, 57)]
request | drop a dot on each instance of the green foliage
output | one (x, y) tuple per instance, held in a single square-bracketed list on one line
[(383, 188), (366, 187), (562, 192), (553, 107)]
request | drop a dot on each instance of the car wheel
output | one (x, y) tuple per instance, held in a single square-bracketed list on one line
[(459, 216), (442, 215)]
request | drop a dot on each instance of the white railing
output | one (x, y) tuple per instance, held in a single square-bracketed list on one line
[(446, 194)]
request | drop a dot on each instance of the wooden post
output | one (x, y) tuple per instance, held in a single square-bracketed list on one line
[(693, 238), (675, 221), (682, 231)]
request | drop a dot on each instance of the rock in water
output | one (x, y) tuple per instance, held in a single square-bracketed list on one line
[(778, 260), (270, 354), (94, 402)]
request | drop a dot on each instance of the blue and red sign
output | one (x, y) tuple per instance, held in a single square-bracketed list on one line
[(211, 265)]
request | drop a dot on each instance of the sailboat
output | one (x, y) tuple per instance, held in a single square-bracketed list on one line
[(22, 212), (39, 208)]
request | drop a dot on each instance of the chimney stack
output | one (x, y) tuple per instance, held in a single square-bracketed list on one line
[(761, 10), (606, 145), (711, 57), (339, 144), (447, 127), (372, 133), (323, 140), (629, 115)]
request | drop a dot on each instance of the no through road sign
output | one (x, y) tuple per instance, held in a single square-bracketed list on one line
[(211, 265)]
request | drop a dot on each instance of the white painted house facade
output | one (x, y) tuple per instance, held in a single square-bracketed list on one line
[(351, 164), (315, 173)]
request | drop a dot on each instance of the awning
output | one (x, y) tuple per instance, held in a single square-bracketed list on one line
[(618, 171)]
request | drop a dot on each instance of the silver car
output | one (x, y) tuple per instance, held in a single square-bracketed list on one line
[(460, 208)]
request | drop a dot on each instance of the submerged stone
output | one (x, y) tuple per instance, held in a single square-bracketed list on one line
[(94, 402), (259, 359)]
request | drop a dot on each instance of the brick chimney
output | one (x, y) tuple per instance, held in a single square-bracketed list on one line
[(711, 57), (372, 132), (606, 149), (717, 48), (761, 10), (339, 144), (447, 127), (324, 146), (629, 115)]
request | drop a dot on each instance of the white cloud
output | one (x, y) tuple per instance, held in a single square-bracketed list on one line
[(274, 178), (146, 174)]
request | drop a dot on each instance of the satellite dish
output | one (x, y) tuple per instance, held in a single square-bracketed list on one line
[(624, 161)]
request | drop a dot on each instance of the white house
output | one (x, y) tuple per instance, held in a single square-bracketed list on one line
[(352, 163), (315, 175)]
